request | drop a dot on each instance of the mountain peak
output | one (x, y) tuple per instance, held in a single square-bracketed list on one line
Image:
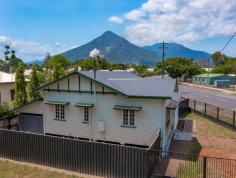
[(110, 35), (119, 50)]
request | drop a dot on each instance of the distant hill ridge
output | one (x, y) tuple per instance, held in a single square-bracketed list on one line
[(174, 50), (119, 50)]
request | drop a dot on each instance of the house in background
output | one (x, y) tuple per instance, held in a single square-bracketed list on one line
[(7, 81), (218, 80), (106, 106), (6, 87)]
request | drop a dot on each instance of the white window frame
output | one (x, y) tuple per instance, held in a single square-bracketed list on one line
[(86, 115), (128, 118), (60, 112)]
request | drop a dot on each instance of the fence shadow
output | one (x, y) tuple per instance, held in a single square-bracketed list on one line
[(213, 119)]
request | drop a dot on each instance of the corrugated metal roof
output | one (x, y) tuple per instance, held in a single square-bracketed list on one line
[(6, 77), (133, 85), (146, 87), (110, 74), (209, 75), (128, 84)]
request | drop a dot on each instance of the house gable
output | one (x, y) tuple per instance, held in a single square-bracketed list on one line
[(77, 83)]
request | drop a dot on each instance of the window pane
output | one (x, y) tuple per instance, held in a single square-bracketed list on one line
[(86, 114), (62, 112), (131, 117), (125, 117), (57, 111)]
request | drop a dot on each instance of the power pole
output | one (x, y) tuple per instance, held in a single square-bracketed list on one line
[(163, 59)]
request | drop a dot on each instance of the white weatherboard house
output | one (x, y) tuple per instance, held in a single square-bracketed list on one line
[(7, 81), (6, 87), (117, 107)]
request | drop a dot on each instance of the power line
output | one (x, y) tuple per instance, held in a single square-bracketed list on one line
[(231, 38)]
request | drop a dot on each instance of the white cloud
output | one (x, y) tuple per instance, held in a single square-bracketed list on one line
[(135, 15), (115, 19), (30, 50), (180, 20), (94, 53)]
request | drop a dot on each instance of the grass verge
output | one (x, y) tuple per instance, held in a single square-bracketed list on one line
[(9, 169)]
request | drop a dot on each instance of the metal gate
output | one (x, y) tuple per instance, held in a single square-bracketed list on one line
[(31, 122)]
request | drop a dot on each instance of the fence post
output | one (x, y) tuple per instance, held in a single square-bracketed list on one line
[(204, 167), (217, 115), (205, 106), (234, 120), (194, 105)]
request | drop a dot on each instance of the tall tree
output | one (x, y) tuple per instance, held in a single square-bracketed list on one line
[(11, 59), (217, 58), (47, 57), (177, 67), (33, 84), (57, 66), (7, 53), (88, 64), (20, 97)]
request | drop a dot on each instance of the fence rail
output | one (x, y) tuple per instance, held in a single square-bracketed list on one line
[(216, 113), (179, 165), (107, 160)]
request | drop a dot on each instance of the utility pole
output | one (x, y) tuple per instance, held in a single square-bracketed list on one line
[(163, 59), (94, 66)]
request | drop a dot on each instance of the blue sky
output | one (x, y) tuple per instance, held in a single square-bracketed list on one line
[(34, 27)]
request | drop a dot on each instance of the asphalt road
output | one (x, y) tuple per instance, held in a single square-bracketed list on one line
[(216, 98)]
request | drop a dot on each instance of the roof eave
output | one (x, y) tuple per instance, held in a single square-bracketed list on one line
[(19, 107), (149, 97)]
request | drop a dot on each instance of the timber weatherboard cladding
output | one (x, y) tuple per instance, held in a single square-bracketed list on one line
[(147, 120)]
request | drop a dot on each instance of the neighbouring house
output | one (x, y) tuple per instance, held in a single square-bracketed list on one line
[(7, 81), (6, 87), (105, 106), (219, 80)]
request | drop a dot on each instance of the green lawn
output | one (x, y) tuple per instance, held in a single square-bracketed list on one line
[(14, 170), (192, 169)]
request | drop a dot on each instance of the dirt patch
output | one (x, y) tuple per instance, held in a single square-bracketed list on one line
[(219, 153), (216, 145)]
